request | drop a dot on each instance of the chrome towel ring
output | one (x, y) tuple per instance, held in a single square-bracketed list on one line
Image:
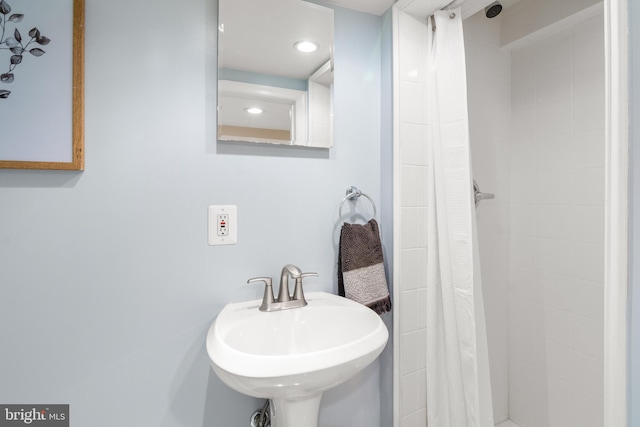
[(353, 193)]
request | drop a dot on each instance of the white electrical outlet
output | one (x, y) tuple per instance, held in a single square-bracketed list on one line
[(223, 225)]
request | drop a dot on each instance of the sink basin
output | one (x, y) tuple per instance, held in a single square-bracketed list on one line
[(292, 356)]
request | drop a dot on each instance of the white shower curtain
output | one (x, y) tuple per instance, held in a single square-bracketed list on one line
[(458, 383)]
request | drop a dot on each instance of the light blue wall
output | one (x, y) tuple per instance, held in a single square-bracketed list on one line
[(634, 277), (262, 79), (107, 284)]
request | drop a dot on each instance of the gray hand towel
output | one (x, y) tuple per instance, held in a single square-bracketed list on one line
[(361, 274)]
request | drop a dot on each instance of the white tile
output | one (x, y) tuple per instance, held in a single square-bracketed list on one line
[(555, 291), (521, 407), (523, 109), (524, 219), (587, 410), (409, 394), (499, 346), (558, 360), (588, 109), (554, 221), (411, 27), (499, 361), (522, 375), (587, 261), (553, 256), (587, 299), (409, 269), (421, 264), (523, 251), (409, 312), (496, 311), (553, 51), (522, 283), (523, 123), (523, 62), (421, 392), (409, 354), (554, 396), (501, 405), (523, 91), (409, 226), (415, 419), (554, 85), (555, 118), (488, 61), (588, 374), (587, 224), (554, 187), (524, 347), (552, 419), (524, 315), (588, 187), (495, 273), (421, 186), (421, 308), (412, 137), (588, 37), (422, 349), (422, 227), (588, 147), (409, 61), (556, 325), (588, 74), (588, 336), (409, 186), (413, 106), (554, 152), (523, 156), (523, 187)]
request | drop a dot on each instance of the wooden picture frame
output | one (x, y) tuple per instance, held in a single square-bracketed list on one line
[(22, 39)]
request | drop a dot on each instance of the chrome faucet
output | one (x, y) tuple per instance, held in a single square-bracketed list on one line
[(287, 270), (285, 300)]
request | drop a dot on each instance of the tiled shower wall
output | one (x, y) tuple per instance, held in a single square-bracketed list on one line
[(489, 103), (557, 230), (537, 138), (489, 91), (412, 222)]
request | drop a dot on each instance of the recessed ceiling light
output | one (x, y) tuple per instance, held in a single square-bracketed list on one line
[(253, 110), (306, 46)]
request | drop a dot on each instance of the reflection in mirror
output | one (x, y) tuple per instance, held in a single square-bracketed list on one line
[(269, 91)]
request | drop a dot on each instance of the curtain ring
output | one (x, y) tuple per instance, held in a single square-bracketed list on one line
[(452, 15)]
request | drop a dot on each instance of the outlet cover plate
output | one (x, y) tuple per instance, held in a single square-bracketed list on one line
[(231, 237)]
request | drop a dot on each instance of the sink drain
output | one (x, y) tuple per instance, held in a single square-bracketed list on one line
[(261, 417)]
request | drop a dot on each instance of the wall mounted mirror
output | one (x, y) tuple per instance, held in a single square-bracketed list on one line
[(275, 72)]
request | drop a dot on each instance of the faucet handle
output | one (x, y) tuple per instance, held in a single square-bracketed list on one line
[(267, 298), (298, 294)]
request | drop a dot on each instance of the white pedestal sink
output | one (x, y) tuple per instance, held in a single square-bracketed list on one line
[(293, 356)]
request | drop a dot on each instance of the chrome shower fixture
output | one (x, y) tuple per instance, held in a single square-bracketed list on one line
[(493, 9)]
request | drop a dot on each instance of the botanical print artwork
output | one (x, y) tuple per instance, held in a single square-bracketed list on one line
[(16, 44)]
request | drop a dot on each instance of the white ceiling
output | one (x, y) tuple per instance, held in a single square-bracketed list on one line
[(376, 7), (259, 36)]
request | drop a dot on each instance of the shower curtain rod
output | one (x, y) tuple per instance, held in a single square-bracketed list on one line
[(451, 15)]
